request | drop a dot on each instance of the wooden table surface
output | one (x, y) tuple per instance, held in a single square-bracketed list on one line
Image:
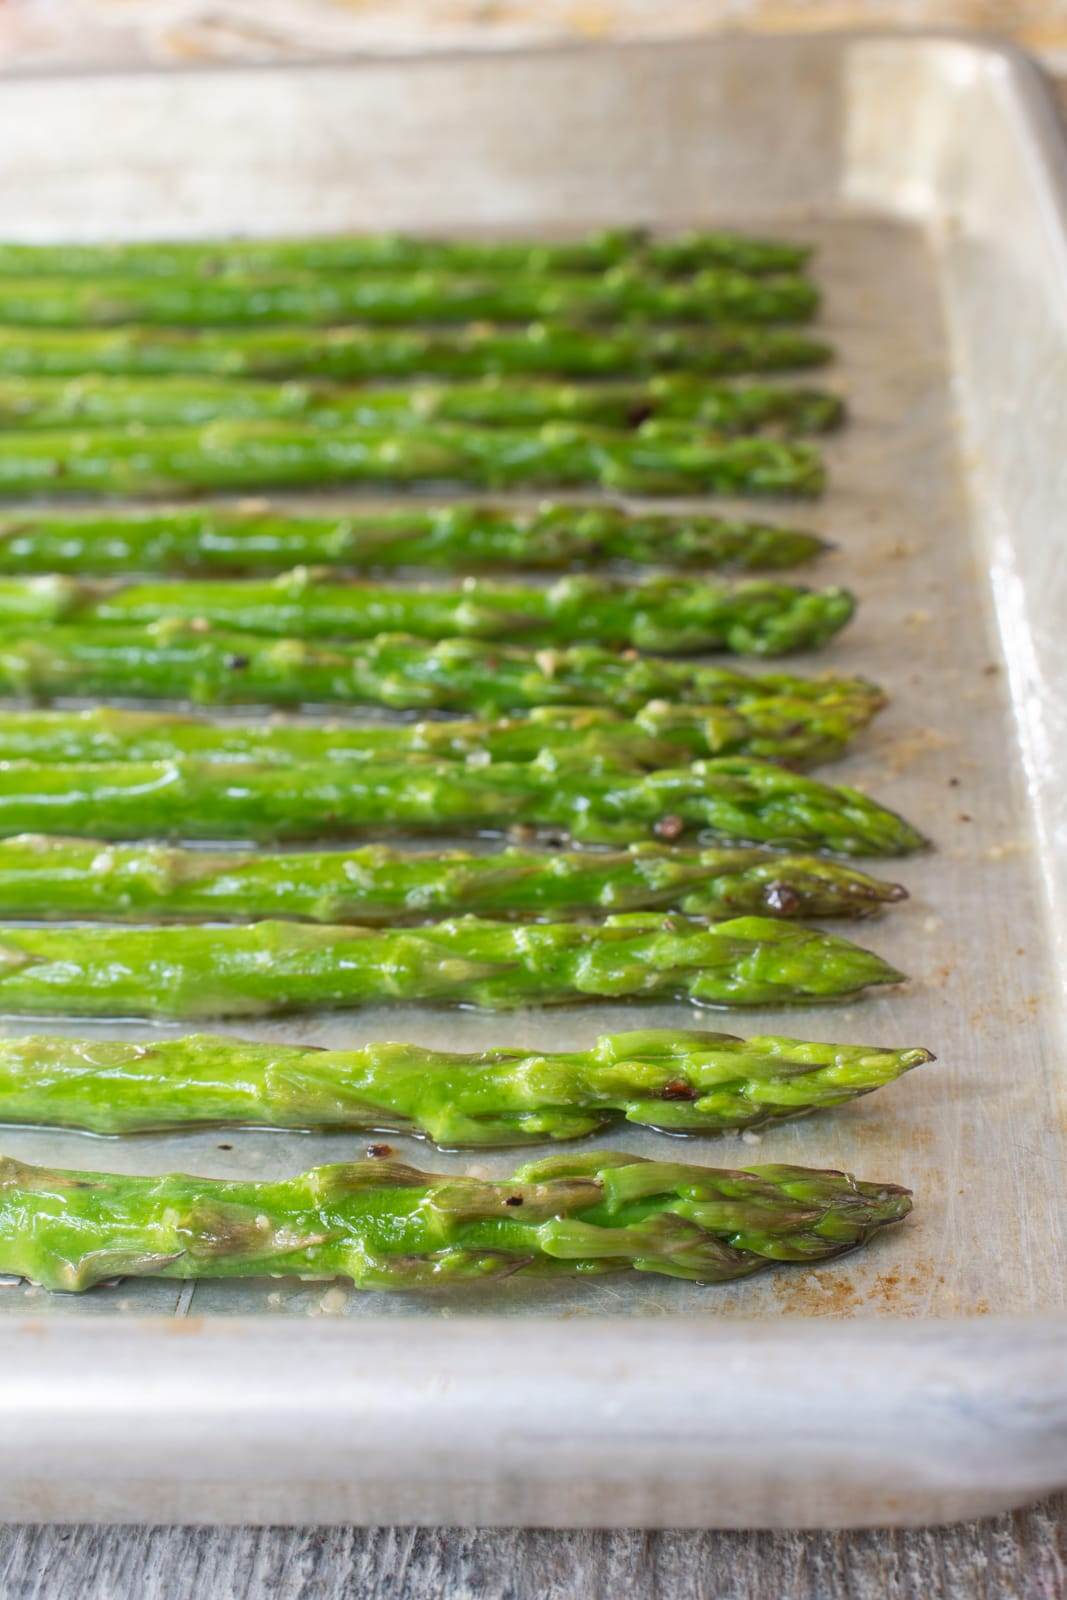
[(1021, 1556), (1018, 1557)]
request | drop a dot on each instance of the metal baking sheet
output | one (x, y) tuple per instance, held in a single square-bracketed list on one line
[(929, 171)]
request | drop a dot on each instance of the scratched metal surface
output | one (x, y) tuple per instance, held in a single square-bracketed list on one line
[(979, 1135)]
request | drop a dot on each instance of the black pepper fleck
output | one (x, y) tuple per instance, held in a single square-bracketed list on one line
[(678, 1089), (638, 414)]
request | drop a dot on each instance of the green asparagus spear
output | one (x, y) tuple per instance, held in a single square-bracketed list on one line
[(182, 660), (778, 728), (267, 968), (673, 616), (258, 538), (346, 353), (655, 458), (728, 797), (105, 402), (44, 877), (683, 1082), (398, 252), (237, 300), (388, 1226)]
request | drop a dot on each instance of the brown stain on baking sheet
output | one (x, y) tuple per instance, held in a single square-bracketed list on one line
[(831, 1292)]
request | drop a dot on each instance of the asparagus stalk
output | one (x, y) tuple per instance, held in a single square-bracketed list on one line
[(106, 402), (683, 1082), (655, 458), (780, 728), (184, 660), (674, 616), (258, 538), (387, 1226), (728, 797), (266, 968), (397, 252), (44, 877), (345, 353), (248, 300)]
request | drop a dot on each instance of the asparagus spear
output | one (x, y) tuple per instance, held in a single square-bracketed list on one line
[(247, 300), (674, 616), (102, 401), (45, 877), (655, 458), (182, 660), (360, 352), (258, 538), (728, 797), (780, 728), (388, 1226), (184, 973), (397, 252), (683, 1082)]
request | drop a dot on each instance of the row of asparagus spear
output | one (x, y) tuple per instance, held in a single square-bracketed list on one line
[(673, 1080), (270, 967), (34, 403), (256, 538), (199, 381), (435, 295), (656, 457), (120, 775), (726, 798), (184, 337), (385, 1225), (670, 615), (180, 659), (682, 252), (151, 369), (792, 729), (354, 352), (44, 876), (602, 777)]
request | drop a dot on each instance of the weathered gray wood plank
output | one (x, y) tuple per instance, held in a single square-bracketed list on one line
[(1021, 1556)]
